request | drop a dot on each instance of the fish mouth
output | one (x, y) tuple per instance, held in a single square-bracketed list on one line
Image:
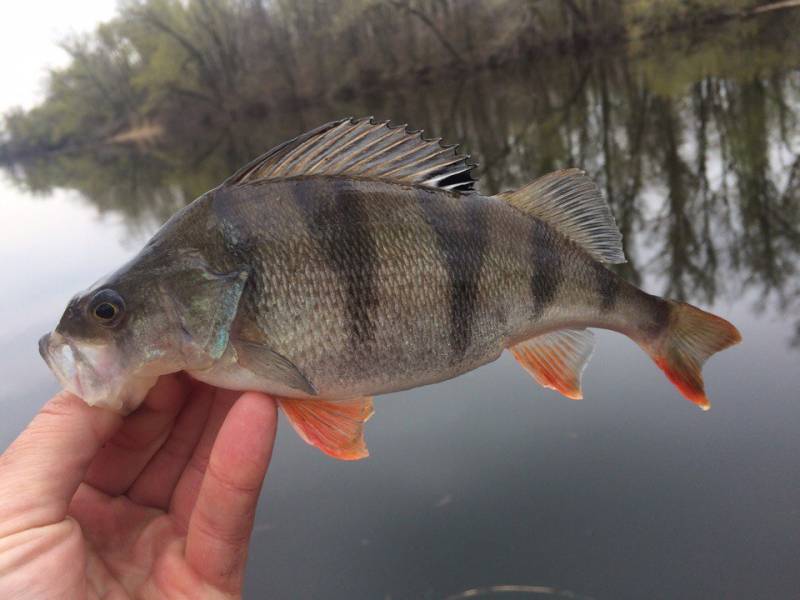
[(44, 344), (58, 353), (94, 372)]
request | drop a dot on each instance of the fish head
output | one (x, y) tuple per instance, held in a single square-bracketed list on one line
[(149, 318), (111, 344)]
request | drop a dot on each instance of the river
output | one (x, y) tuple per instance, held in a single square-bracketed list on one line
[(489, 479)]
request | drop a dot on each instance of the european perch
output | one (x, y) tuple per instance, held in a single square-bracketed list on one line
[(358, 259)]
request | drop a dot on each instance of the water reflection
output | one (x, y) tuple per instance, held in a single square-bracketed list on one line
[(630, 494), (696, 146)]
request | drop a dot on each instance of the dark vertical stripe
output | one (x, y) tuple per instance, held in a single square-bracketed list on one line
[(546, 274), (658, 314), (607, 285), (230, 206), (336, 218), (461, 236)]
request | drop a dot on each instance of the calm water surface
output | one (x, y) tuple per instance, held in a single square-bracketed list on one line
[(489, 479)]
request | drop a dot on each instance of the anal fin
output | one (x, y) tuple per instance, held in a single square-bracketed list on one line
[(557, 359), (335, 427)]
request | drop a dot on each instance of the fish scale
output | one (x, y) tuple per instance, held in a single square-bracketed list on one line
[(412, 312), (358, 259)]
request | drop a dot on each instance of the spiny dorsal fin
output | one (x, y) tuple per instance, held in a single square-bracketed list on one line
[(366, 149), (572, 203), (557, 359)]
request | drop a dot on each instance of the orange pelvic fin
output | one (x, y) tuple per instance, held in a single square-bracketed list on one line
[(692, 336), (335, 427), (557, 359)]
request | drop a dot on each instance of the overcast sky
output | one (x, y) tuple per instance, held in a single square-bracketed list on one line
[(29, 33)]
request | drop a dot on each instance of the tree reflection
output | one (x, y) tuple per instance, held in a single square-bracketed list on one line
[(696, 146)]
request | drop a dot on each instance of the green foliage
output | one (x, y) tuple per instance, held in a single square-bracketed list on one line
[(189, 64), (647, 16)]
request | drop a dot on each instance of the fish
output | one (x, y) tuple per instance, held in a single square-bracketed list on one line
[(358, 259)]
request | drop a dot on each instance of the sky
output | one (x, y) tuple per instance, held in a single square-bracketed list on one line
[(29, 35)]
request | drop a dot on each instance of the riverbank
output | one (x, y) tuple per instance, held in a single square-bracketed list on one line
[(153, 74)]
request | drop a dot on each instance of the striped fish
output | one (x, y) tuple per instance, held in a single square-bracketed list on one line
[(358, 259)]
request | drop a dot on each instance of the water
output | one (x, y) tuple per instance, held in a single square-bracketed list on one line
[(488, 479)]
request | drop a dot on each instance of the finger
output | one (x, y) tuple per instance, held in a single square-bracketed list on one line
[(188, 486), (222, 520), (123, 457), (156, 483), (43, 467)]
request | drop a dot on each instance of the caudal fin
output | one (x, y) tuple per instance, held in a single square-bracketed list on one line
[(691, 337)]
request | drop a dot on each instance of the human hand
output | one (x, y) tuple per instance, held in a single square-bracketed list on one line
[(157, 505)]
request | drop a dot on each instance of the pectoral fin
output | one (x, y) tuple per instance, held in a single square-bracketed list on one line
[(270, 365), (335, 427), (557, 359)]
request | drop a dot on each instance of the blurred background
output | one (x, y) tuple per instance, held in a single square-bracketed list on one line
[(688, 115)]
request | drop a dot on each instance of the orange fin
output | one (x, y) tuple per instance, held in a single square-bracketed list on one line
[(693, 335), (557, 359), (335, 427)]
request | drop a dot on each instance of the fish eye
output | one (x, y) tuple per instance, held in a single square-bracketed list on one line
[(107, 307), (105, 311)]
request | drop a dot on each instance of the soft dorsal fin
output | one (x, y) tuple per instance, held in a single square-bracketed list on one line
[(557, 359), (572, 203), (366, 149)]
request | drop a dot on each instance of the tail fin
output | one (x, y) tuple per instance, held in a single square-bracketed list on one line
[(691, 337)]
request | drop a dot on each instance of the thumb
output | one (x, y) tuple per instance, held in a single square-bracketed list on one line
[(43, 467)]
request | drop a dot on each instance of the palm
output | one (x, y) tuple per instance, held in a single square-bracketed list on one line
[(160, 514)]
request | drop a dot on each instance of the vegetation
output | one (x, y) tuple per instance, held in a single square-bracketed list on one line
[(183, 65)]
